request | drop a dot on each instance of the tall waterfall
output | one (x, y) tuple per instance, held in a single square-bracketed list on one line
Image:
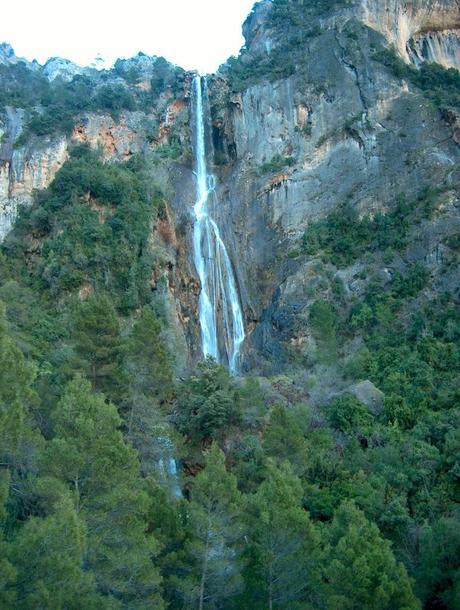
[(221, 319)]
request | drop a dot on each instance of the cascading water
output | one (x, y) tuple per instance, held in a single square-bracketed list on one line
[(221, 319), (168, 466)]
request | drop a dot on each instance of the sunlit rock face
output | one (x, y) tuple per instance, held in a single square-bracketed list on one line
[(33, 166), (441, 47), (29, 162), (116, 139), (26, 168), (353, 133), (25, 171), (56, 67), (6, 53), (421, 30)]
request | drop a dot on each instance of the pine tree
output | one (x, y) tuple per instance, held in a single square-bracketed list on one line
[(102, 471), (150, 389), (284, 545), (360, 569), (439, 569), (48, 554), (8, 572), (98, 346), (214, 534), (207, 406), (150, 363), (18, 440), (284, 438)]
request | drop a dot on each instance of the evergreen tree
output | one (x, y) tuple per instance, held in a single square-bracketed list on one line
[(360, 570), (48, 554), (150, 387), (439, 569), (284, 546), (149, 361), (214, 533), (167, 519), (90, 455), (285, 440), (18, 441), (8, 572), (207, 406), (98, 345)]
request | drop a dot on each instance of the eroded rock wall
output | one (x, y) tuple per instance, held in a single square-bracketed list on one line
[(350, 132), (412, 25)]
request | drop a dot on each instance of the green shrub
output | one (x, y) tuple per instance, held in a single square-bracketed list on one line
[(348, 414), (95, 222), (440, 84), (343, 237), (276, 164)]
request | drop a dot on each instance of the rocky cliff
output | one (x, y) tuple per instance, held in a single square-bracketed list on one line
[(31, 152), (322, 113), (343, 130)]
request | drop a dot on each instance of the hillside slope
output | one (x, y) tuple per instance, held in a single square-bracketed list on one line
[(327, 476)]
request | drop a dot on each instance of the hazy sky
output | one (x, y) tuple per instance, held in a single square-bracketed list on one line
[(196, 34)]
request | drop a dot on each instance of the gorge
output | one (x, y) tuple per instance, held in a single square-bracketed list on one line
[(230, 320)]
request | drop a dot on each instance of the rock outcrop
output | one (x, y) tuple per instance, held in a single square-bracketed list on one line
[(412, 25), (29, 162), (350, 132), (339, 128)]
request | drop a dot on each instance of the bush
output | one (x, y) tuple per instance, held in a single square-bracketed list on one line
[(277, 164), (343, 237), (95, 222), (54, 106)]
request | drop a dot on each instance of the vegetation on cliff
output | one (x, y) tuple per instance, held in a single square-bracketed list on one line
[(127, 485), (306, 509), (53, 107)]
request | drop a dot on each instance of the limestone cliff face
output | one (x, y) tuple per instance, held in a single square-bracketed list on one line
[(421, 30), (349, 132), (435, 47), (341, 128), (33, 166), (24, 169), (29, 162), (409, 26)]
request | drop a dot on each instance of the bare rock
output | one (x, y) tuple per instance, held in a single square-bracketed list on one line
[(368, 394)]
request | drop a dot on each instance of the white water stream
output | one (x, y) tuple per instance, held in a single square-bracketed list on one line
[(221, 319)]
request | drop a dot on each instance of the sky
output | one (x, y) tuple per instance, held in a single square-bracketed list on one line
[(195, 34)]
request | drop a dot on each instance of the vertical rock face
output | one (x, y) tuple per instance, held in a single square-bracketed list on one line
[(341, 130), (24, 169), (410, 26), (62, 68), (29, 161), (33, 166), (118, 139), (436, 47), (338, 129)]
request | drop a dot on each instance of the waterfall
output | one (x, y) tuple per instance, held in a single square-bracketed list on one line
[(168, 466), (221, 318)]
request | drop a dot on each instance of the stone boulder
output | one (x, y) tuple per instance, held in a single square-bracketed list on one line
[(368, 394)]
